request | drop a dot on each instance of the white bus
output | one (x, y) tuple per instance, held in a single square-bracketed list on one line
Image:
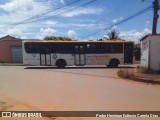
[(79, 53)]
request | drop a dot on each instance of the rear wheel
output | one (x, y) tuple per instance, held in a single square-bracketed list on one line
[(61, 63), (113, 63)]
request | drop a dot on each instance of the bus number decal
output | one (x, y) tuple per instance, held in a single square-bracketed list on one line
[(101, 56), (54, 56)]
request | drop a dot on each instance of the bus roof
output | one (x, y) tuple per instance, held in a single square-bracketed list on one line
[(52, 41)]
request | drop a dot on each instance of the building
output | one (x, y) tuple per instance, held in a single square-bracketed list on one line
[(10, 50), (150, 52), (137, 51)]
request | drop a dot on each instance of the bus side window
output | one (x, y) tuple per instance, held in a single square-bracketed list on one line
[(32, 48), (42, 48), (120, 48), (52, 47), (107, 48), (47, 48), (87, 48), (92, 48), (57, 48), (76, 49), (81, 49), (116, 48), (101, 48), (112, 48), (69, 48), (29, 48)]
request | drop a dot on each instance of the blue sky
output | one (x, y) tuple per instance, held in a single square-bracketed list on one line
[(82, 20)]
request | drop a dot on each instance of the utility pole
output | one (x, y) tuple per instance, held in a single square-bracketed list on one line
[(155, 16)]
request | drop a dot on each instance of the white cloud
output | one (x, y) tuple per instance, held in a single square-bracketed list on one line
[(51, 23), (16, 32), (114, 20), (24, 37), (146, 31), (134, 34), (81, 10), (62, 1), (115, 27), (15, 5), (45, 32), (15, 11), (117, 20), (79, 25), (91, 38), (24, 7), (147, 23), (18, 10), (72, 34)]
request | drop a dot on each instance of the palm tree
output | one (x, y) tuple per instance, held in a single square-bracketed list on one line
[(113, 35)]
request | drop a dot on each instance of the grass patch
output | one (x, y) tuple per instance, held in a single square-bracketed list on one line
[(145, 70)]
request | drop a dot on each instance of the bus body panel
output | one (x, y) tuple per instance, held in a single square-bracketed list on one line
[(84, 53), (31, 59), (43, 59), (69, 58), (88, 59), (48, 59)]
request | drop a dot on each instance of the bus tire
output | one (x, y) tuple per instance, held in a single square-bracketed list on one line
[(61, 63), (114, 63)]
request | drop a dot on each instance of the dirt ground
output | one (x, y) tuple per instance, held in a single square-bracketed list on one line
[(73, 89)]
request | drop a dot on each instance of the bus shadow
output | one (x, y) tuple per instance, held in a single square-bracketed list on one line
[(48, 67)]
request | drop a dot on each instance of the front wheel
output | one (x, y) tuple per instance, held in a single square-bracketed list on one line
[(61, 63), (113, 64)]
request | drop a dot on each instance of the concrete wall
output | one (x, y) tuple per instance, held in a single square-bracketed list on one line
[(144, 52), (150, 50), (5, 49), (155, 52)]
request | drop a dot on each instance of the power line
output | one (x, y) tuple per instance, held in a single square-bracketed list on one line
[(87, 3), (37, 16), (115, 10), (122, 21), (120, 4)]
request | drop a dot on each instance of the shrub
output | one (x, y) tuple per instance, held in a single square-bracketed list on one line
[(124, 74)]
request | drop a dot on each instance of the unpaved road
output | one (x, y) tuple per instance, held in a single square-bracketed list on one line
[(73, 89)]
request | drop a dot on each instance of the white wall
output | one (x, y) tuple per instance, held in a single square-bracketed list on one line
[(144, 52), (150, 50), (155, 52)]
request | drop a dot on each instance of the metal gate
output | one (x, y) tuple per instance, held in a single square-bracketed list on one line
[(16, 54)]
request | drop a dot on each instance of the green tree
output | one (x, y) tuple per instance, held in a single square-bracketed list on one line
[(57, 38)]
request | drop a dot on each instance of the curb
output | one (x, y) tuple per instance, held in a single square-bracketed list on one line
[(11, 64), (139, 79), (144, 80)]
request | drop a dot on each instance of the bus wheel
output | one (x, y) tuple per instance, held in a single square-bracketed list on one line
[(113, 63), (61, 63)]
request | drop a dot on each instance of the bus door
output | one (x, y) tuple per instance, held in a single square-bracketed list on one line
[(80, 55), (45, 57), (128, 53)]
